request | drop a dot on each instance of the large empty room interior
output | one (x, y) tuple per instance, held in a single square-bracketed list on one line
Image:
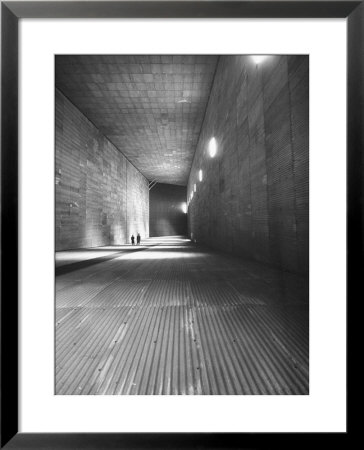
[(181, 225)]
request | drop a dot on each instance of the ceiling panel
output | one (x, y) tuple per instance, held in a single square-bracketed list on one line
[(150, 107)]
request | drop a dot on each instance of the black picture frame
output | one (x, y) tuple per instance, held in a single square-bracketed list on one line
[(11, 12)]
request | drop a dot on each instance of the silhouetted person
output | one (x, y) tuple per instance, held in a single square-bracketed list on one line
[(132, 239), (138, 238)]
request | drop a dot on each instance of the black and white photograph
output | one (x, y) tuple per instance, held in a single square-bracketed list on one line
[(181, 224)]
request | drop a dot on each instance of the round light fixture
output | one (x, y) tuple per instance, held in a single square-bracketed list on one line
[(258, 58), (212, 147)]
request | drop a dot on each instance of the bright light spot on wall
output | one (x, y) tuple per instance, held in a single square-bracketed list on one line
[(258, 58), (194, 187), (212, 147), (191, 195), (184, 100), (200, 175), (184, 207)]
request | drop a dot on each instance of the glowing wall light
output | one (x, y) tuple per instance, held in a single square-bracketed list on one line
[(194, 187), (212, 147), (258, 58), (191, 195), (184, 208), (200, 175)]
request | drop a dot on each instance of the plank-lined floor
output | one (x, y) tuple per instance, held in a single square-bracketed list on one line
[(174, 318)]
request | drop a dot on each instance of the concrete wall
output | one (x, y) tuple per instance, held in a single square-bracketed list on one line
[(101, 199), (165, 210), (253, 199)]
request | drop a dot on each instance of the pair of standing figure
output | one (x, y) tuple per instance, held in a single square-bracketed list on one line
[(133, 239)]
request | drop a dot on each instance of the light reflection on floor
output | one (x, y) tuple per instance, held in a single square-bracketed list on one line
[(128, 251), (161, 254)]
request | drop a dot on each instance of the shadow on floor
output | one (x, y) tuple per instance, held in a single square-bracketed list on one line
[(71, 265)]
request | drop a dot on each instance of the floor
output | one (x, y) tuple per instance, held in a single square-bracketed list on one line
[(171, 317)]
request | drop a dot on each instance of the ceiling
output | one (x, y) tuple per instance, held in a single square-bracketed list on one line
[(150, 107)]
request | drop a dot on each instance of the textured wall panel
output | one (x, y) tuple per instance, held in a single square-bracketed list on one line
[(298, 84), (137, 203), (165, 210), (253, 200), (100, 196)]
